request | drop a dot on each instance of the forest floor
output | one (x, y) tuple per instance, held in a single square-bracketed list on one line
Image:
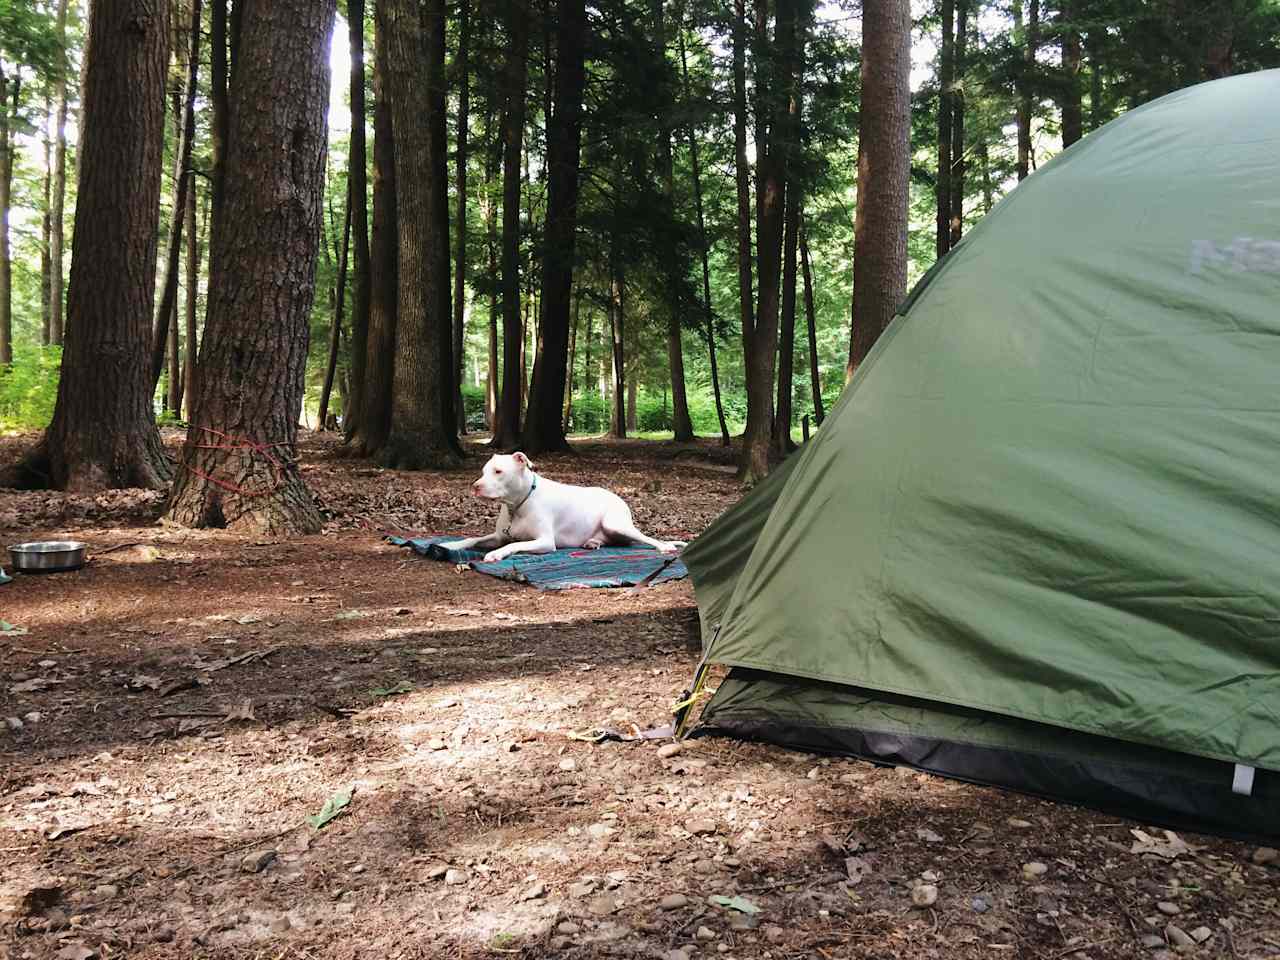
[(187, 701)]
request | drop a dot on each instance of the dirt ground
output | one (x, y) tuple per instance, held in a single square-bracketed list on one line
[(179, 708)]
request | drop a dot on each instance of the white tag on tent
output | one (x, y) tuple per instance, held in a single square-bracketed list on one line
[(1242, 780)]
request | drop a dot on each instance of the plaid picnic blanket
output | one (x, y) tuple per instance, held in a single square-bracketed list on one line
[(563, 569)]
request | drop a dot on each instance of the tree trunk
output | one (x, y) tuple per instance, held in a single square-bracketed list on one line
[(103, 432), (193, 295), (1072, 109), (374, 424), (760, 356), (632, 390), (440, 267), (815, 374), (705, 251), (421, 435), (339, 305), (219, 126), (586, 353), (173, 393), (239, 465), (182, 183), (544, 425), (946, 114), (617, 304), (742, 176), (573, 355), (1097, 112), (46, 221), (8, 90), (958, 163), (1025, 81), (57, 225), (880, 224), (782, 442), (358, 347), (682, 425), (508, 428), (462, 66)]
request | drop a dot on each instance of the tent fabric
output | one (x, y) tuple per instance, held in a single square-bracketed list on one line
[(1052, 492)]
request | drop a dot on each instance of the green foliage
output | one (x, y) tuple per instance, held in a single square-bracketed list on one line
[(29, 388)]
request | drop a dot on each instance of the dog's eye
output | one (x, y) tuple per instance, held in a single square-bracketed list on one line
[(497, 471)]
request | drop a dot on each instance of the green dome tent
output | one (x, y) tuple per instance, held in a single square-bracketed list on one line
[(1037, 542)]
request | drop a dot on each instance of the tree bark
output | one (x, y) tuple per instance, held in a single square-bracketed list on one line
[(742, 176), (491, 244), (239, 465), (358, 348), (573, 356), (544, 423), (182, 183), (339, 305), (219, 126), (705, 251), (421, 434), (103, 432), (516, 69), (57, 218), (884, 134), (193, 294), (374, 424), (1071, 106), (463, 67), (958, 162), (682, 425), (760, 355), (1025, 81), (782, 442), (8, 91), (46, 221), (439, 288), (815, 373), (616, 306), (632, 390), (946, 114), (1097, 112)]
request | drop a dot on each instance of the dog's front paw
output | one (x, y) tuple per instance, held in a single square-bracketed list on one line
[(672, 546), (493, 556)]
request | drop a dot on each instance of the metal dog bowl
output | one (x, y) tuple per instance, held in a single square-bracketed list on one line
[(47, 556)]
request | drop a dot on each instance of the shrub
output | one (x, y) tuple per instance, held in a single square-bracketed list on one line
[(29, 388)]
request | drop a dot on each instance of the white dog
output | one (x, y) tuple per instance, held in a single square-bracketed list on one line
[(539, 515)]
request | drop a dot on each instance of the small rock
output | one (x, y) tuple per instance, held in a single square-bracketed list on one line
[(1201, 934), (281, 924), (1178, 937), (676, 955), (106, 891), (456, 878), (775, 934), (436, 743), (33, 717), (402, 611), (535, 892), (1034, 869), (437, 870), (979, 905), (1153, 942), (512, 747), (1264, 855), (257, 862), (705, 935), (556, 944), (581, 889), (743, 921), (700, 827), (599, 831), (1168, 909), (603, 905), (358, 868), (670, 750), (925, 895), (568, 766), (1019, 824), (568, 928), (674, 901), (13, 723)]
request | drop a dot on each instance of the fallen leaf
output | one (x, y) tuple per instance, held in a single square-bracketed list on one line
[(242, 711), (332, 807), (144, 681), (928, 836), (1171, 847), (9, 630), (741, 904), (858, 869), (351, 615), (75, 951), (404, 686)]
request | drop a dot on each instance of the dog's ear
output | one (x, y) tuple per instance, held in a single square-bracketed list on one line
[(521, 459)]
